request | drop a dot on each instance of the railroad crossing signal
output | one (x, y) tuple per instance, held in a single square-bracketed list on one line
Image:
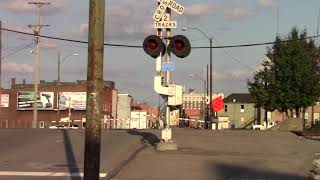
[(179, 46)]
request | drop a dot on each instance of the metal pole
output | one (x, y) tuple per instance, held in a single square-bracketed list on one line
[(207, 106), (94, 90), (168, 73), (69, 112), (204, 99), (210, 105), (58, 85), (0, 60)]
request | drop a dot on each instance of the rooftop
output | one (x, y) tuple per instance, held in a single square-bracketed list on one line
[(240, 98)]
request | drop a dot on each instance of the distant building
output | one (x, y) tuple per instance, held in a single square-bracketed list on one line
[(124, 106), (239, 109), (194, 104), (17, 103)]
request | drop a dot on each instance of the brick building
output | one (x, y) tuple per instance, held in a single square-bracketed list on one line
[(194, 104), (18, 112)]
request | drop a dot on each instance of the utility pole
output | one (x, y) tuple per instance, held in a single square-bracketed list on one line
[(37, 27), (58, 85), (207, 105), (0, 60), (94, 90), (211, 113)]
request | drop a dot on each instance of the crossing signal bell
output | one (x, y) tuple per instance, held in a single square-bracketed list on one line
[(153, 45), (179, 46)]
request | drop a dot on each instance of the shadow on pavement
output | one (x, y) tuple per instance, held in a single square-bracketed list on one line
[(148, 137), (71, 161), (236, 172)]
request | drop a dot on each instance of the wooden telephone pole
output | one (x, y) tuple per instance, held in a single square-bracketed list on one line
[(37, 27), (94, 90)]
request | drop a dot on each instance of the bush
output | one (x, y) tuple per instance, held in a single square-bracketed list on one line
[(316, 126)]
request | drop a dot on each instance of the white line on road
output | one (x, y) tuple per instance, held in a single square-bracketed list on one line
[(46, 174)]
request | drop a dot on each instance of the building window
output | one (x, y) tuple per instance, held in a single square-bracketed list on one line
[(41, 124), (269, 116), (225, 108), (242, 108), (315, 117), (242, 119)]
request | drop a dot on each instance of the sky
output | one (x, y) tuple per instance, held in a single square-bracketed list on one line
[(229, 22)]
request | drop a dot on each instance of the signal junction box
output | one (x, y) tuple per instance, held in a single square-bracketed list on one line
[(176, 99)]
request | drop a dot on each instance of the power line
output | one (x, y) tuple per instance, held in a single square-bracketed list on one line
[(139, 46), (234, 58), (16, 51)]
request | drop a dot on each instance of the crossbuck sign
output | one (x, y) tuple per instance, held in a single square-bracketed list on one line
[(161, 18)]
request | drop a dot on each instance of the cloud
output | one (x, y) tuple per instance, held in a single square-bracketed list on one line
[(9, 25), (129, 20), (199, 9), (84, 28), (22, 6), (219, 76), (47, 44), (241, 73), (266, 3), (237, 13), (17, 68)]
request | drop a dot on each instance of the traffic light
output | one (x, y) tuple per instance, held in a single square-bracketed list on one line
[(180, 46), (153, 45)]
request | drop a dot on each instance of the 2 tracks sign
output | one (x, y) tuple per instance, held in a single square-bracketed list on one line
[(162, 19)]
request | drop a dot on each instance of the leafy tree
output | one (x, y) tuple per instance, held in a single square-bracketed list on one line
[(292, 74)]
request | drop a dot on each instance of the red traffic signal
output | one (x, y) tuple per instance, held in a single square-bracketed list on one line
[(153, 45), (180, 46)]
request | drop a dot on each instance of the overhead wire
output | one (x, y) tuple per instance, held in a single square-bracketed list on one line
[(234, 58), (16, 51), (140, 46)]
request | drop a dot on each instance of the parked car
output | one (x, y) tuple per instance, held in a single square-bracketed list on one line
[(58, 127), (63, 127), (263, 126)]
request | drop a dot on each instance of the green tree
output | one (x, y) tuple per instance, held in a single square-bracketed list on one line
[(292, 74)]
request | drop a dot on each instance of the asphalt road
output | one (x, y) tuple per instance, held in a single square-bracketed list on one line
[(227, 155), (263, 155), (27, 153)]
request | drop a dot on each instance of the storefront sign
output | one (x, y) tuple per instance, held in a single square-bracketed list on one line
[(4, 100), (73, 100), (25, 99)]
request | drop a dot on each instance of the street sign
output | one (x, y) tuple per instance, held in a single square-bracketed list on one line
[(217, 104), (207, 100), (174, 6), (165, 24), (160, 10), (168, 66), (166, 17)]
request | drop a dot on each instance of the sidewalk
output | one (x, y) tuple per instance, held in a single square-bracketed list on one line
[(263, 155)]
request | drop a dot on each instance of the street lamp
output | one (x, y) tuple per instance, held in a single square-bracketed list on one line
[(204, 92), (210, 81), (59, 63)]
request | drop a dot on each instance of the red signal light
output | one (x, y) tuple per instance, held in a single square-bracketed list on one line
[(153, 45), (180, 46)]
